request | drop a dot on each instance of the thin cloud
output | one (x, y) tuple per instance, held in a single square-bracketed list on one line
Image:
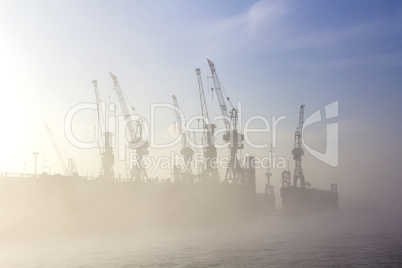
[(378, 61), (276, 27), (319, 39), (251, 28)]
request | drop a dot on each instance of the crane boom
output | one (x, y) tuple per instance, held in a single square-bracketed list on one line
[(209, 171), (301, 122), (234, 171), (105, 150), (71, 168), (182, 131), (298, 151), (219, 94), (101, 119), (204, 109), (137, 171), (299, 130), (123, 104), (187, 152), (56, 148)]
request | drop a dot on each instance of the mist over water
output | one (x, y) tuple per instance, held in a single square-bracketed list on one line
[(342, 60), (347, 238)]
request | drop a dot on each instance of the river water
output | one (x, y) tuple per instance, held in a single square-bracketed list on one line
[(348, 238)]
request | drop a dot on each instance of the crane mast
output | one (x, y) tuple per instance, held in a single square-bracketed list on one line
[(105, 150), (209, 172), (138, 172), (234, 172), (298, 152), (186, 151)]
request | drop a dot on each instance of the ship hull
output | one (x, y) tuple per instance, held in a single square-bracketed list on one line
[(296, 200), (74, 203)]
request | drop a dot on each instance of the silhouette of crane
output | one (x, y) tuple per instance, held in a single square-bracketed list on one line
[(234, 172), (138, 172)]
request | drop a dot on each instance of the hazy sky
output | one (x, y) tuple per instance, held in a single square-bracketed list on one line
[(272, 56)]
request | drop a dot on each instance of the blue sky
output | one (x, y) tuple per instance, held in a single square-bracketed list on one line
[(271, 55)]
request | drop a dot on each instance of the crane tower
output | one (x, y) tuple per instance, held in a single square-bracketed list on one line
[(234, 172), (138, 172), (105, 150), (209, 171), (187, 152), (69, 169), (297, 152)]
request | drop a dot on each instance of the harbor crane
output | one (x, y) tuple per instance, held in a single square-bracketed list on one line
[(297, 152), (69, 169), (234, 172), (138, 172), (187, 152), (209, 171), (104, 136)]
